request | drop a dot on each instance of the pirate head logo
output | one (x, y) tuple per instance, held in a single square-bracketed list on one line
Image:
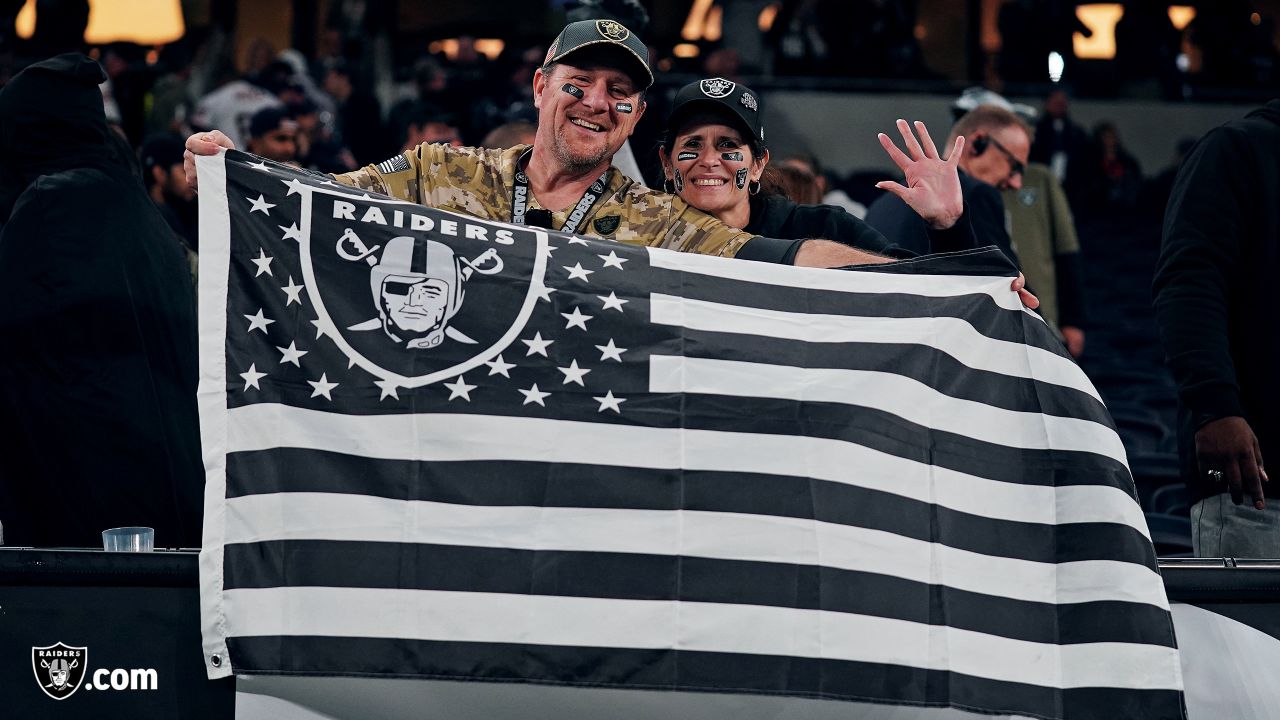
[(612, 30), (418, 287), (59, 669), (413, 295), (717, 87)]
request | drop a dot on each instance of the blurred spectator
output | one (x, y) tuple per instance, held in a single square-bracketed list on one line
[(431, 88), (828, 192), (98, 377), (510, 134), (1044, 236), (273, 134), (792, 182), (230, 107), (319, 148), (359, 117), (170, 98), (428, 124), (1116, 177), (1217, 312), (301, 76), (1064, 146), (161, 160), (1155, 192), (258, 55), (1147, 46)]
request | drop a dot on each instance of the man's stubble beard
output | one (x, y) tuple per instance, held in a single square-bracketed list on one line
[(577, 163)]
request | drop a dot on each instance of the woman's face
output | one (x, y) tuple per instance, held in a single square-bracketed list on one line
[(711, 166)]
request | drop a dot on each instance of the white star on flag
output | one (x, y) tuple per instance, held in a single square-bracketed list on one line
[(293, 232), (388, 388), (534, 395), (260, 166), (296, 186), (251, 377), (612, 260), (291, 292), (612, 301), (322, 387), (498, 366), (573, 373), (537, 345), (260, 205), (610, 351), (577, 271), (291, 354), (609, 402), (263, 262), (575, 240), (258, 322), (576, 319), (460, 389), (322, 328)]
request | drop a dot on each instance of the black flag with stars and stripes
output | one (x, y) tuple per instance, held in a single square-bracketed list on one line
[(439, 447)]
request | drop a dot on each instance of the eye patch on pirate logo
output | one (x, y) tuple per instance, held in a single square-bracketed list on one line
[(573, 90), (686, 155), (740, 178), (734, 156)]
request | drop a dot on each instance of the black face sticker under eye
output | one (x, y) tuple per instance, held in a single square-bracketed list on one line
[(740, 178), (624, 107), (573, 90), (686, 155), (679, 180), (734, 156)]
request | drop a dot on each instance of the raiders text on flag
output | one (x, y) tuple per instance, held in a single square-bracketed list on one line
[(445, 448)]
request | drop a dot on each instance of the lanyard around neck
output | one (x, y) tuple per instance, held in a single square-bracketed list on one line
[(520, 197)]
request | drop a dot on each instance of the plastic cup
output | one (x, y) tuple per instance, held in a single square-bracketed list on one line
[(128, 539)]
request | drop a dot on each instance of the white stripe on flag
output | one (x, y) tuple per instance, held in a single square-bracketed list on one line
[(938, 286), (691, 533), (707, 627), (896, 394), (952, 336), (449, 437)]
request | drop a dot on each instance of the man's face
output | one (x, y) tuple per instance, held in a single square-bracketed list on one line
[(1002, 162), (280, 144), (416, 305), (585, 132), (174, 185)]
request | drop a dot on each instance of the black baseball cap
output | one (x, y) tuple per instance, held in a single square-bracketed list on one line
[(161, 150), (718, 95), (269, 119), (586, 34)]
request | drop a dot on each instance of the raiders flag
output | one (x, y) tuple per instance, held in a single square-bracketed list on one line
[(444, 448)]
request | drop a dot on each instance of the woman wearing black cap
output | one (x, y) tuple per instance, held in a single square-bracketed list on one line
[(713, 155)]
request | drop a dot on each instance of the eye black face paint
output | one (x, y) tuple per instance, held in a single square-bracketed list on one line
[(740, 178), (686, 155), (679, 179), (623, 107), (573, 90), (734, 156)]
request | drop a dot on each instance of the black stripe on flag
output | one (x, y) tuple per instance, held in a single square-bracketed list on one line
[(494, 483), (321, 563), (686, 670)]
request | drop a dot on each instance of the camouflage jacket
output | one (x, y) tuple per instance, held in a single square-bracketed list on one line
[(479, 182)]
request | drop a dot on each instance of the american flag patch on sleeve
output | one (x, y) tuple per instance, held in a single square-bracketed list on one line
[(396, 164)]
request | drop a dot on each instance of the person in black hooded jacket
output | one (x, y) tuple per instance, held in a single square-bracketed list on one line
[(98, 376), (1217, 314)]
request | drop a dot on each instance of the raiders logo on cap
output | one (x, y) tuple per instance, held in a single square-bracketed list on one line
[(717, 87), (612, 30)]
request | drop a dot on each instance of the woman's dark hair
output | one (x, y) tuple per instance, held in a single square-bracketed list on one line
[(796, 184)]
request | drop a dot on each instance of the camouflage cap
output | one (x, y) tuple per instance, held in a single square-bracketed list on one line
[(605, 33)]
